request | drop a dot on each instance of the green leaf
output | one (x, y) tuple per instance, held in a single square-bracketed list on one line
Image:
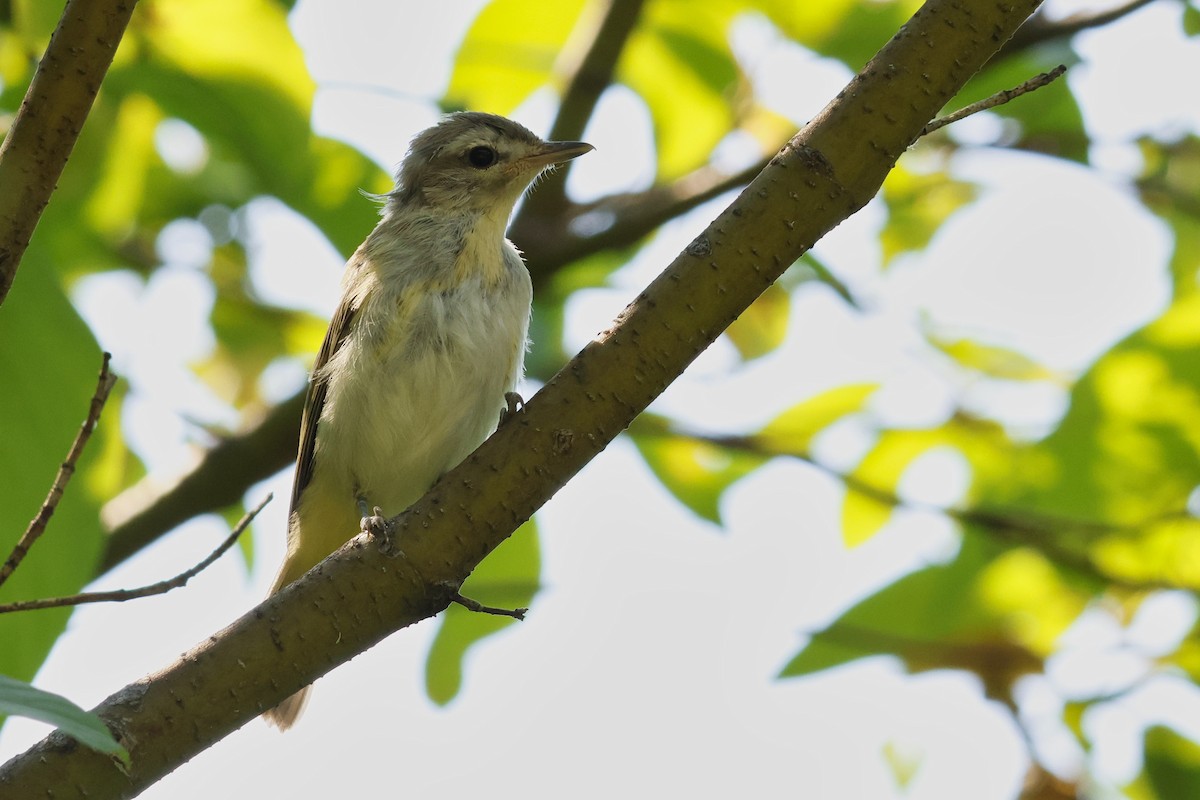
[(793, 430), (50, 364), (510, 51), (940, 617), (1172, 763), (866, 510), (697, 472), (993, 360), (918, 204), (1191, 20), (762, 327), (21, 699), (679, 61), (507, 578)]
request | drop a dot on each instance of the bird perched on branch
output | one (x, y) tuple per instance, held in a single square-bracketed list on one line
[(426, 344)]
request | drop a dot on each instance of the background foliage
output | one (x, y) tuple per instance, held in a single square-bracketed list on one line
[(1090, 512)]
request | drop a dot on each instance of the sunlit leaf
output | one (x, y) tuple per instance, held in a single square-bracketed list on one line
[(679, 61), (933, 618), (918, 204), (794, 429), (697, 472), (993, 360), (507, 578), (763, 326), (506, 56), (868, 504), (849, 30)]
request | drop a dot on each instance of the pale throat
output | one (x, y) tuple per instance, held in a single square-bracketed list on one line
[(483, 246)]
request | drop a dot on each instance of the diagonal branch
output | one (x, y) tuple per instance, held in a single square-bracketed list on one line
[(43, 134), (1039, 29), (358, 596)]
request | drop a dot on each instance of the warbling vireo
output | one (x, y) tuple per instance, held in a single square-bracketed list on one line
[(428, 339)]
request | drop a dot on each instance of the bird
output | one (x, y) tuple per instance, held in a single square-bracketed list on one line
[(427, 342)]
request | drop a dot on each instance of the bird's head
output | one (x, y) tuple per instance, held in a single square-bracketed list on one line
[(476, 161)]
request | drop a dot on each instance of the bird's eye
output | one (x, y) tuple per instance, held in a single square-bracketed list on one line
[(481, 157)]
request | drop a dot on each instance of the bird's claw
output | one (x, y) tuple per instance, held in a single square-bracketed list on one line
[(513, 404), (382, 530)]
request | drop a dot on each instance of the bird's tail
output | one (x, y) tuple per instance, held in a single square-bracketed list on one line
[(284, 715)]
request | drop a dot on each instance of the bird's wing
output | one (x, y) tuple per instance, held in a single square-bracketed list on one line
[(314, 402)]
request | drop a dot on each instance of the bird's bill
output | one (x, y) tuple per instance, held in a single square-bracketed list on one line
[(557, 152)]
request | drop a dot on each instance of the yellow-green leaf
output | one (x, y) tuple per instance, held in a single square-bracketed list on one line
[(794, 429), (512, 49), (762, 327)]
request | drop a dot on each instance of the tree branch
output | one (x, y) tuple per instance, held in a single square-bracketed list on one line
[(65, 471), (161, 587), (1039, 29), (358, 596), (44, 131)]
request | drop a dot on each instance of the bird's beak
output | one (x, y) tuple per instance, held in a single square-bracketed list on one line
[(556, 153)]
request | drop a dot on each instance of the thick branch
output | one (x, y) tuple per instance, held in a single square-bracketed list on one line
[(36, 149), (358, 596)]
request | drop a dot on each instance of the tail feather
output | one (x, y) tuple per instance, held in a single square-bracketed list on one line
[(284, 715)]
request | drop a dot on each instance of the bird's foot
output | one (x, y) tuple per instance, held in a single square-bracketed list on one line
[(513, 404), (380, 528)]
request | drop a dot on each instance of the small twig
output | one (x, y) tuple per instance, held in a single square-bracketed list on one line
[(162, 587), (67, 469), (998, 99), (471, 605)]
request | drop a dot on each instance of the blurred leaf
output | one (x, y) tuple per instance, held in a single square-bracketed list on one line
[(1191, 20), (512, 49), (863, 516), (918, 204), (507, 578), (933, 618), (1172, 763), (21, 699), (993, 360), (850, 31), (50, 364), (794, 429), (903, 763), (697, 472), (678, 59), (868, 505), (1167, 186), (762, 327)]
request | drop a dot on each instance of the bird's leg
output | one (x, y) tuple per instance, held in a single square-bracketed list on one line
[(379, 527), (513, 403)]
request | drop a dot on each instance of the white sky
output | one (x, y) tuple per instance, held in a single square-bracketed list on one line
[(647, 664)]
